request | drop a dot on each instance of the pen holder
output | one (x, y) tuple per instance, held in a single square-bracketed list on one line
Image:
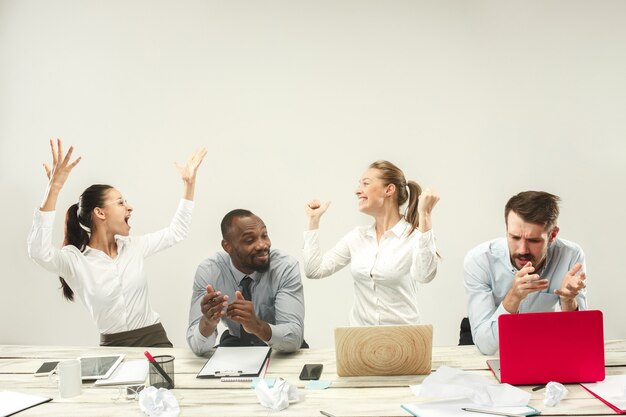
[(166, 362)]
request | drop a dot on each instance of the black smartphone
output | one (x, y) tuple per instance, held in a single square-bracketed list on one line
[(46, 368), (311, 371)]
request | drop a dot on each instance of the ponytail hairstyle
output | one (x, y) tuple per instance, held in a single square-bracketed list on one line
[(405, 190), (78, 224)]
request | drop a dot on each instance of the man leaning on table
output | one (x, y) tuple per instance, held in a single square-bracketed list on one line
[(530, 270), (256, 292)]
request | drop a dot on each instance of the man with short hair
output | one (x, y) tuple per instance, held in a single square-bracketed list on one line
[(256, 292), (530, 270)]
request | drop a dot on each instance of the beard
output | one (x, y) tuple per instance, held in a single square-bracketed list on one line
[(523, 258), (258, 266), (264, 267)]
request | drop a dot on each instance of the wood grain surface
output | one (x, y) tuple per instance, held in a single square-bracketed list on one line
[(384, 350)]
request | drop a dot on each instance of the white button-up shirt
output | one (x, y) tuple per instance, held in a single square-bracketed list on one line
[(386, 273), (115, 291)]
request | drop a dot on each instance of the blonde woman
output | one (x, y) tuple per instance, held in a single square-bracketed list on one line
[(388, 258)]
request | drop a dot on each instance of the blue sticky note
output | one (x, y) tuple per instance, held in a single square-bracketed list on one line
[(268, 381), (317, 384)]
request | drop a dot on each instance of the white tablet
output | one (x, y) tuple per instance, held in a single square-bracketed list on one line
[(99, 367)]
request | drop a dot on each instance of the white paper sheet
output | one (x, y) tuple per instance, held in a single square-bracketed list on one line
[(454, 409), (13, 402), (612, 390), (235, 361)]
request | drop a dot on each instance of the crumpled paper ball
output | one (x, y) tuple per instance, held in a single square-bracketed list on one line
[(158, 402), (278, 397), (555, 392)]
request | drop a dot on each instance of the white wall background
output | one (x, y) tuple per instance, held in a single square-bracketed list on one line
[(477, 99)]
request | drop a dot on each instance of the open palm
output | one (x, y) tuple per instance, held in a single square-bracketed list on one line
[(188, 171)]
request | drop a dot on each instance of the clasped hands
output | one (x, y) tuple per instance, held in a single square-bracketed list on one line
[(214, 305)]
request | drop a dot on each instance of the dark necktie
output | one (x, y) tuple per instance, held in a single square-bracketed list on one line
[(246, 338)]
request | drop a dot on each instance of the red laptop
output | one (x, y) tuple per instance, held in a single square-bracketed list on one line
[(536, 348)]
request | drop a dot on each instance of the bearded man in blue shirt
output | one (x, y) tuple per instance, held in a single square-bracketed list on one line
[(531, 270)]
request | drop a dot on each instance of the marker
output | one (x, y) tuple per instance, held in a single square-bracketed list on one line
[(159, 369)]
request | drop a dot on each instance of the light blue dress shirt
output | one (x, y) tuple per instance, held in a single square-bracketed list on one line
[(489, 275), (277, 296)]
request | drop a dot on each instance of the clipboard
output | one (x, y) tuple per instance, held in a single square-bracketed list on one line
[(235, 361)]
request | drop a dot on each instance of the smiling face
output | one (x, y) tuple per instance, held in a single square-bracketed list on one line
[(528, 242), (372, 192), (114, 213), (248, 244)]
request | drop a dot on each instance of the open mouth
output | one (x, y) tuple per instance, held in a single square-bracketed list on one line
[(523, 260)]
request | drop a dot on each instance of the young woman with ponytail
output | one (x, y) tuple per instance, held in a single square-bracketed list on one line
[(389, 258), (100, 263)]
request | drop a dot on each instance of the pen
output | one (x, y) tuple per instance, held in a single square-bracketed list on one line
[(159, 369), (487, 411), (326, 414)]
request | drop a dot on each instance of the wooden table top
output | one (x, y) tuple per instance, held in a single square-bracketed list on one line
[(346, 396)]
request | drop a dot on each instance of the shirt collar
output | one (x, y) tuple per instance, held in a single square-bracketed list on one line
[(398, 229), (238, 274)]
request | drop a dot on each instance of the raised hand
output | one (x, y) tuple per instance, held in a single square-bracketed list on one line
[(425, 204), (314, 210), (427, 200), (58, 173), (61, 165), (188, 171)]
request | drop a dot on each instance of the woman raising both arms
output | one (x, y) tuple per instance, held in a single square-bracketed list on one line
[(100, 263), (389, 258)]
